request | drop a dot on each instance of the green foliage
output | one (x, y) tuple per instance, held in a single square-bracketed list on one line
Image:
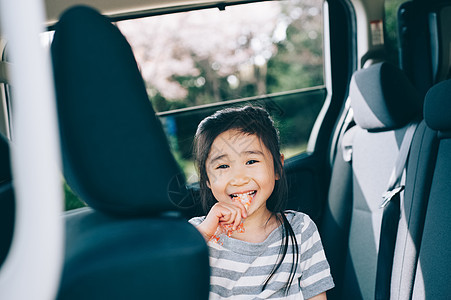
[(71, 200), (279, 51), (159, 103), (391, 30)]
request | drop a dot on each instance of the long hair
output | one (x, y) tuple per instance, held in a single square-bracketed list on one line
[(249, 120)]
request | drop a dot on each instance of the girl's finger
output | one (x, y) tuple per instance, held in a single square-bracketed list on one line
[(240, 205), (237, 216), (228, 215), (237, 221)]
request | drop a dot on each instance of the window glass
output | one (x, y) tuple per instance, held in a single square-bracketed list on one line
[(206, 56), (391, 29), (268, 53)]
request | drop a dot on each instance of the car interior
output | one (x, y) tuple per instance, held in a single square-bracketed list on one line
[(373, 172)]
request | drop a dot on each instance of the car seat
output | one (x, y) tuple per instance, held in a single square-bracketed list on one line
[(384, 103), (434, 259), (130, 242)]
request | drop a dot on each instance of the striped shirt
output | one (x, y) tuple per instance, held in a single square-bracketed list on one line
[(239, 269)]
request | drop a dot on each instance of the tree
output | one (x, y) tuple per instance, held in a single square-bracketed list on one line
[(208, 56)]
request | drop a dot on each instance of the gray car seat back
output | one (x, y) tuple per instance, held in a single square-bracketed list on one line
[(434, 260), (384, 102)]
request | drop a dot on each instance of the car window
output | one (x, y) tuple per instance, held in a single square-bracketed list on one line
[(205, 56), (391, 32), (269, 53), (193, 63)]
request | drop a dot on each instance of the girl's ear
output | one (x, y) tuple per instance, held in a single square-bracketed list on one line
[(208, 184), (282, 161)]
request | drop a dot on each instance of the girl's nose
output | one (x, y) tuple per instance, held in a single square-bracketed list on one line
[(239, 178)]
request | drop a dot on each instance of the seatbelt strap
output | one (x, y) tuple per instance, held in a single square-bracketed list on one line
[(390, 218), (347, 143), (394, 184)]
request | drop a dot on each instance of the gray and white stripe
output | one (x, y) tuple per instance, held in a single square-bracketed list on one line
[(239, 269)]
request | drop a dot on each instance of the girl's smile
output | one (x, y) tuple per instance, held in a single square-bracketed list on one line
[(241, 164), (252, 193)]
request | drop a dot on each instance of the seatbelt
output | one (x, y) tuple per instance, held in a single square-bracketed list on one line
[(390, 218), (347, 143)]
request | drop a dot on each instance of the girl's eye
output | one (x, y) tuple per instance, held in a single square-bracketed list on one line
[(222, 167), (251, 162)]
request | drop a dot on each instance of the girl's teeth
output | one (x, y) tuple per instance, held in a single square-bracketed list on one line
[(248, 193)]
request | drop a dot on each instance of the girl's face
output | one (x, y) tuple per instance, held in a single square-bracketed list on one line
[(241, 164)]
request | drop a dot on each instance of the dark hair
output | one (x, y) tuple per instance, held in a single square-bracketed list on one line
[(252, 121)]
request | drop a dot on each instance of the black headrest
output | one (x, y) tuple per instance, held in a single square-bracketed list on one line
[(115, 153), (437, 107), (383, 98), (5, 164)]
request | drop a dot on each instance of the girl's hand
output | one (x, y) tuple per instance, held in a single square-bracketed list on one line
[(221, 214)]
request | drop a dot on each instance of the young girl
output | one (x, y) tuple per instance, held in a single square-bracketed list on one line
[(257, 250)]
